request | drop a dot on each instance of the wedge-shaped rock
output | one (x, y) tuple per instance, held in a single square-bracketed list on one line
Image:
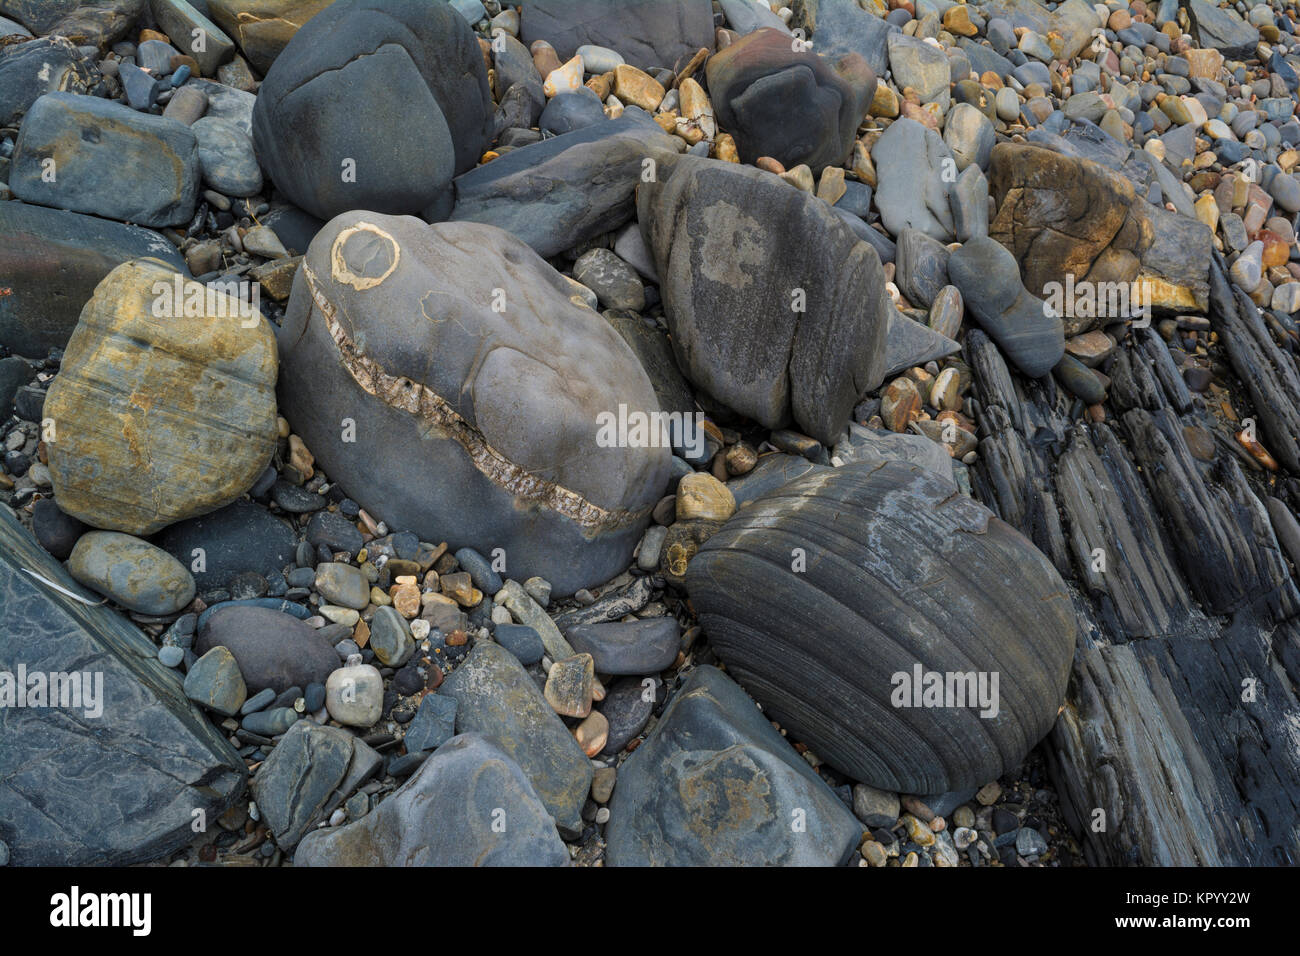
[(107, 780), (263, 28), (903, 577), (715, 785), (160, 415), (468, 805), (459, 346), (776, 309)]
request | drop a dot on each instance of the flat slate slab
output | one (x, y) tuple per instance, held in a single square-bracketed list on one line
[(150, 756)]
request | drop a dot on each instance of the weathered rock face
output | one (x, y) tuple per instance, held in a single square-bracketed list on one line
[(647, 33), (160, 417), (774, 306), (155, 757), (448, 814), (497, 698), (87, 139), (837, 27), (263, 28), (715, 785), (30, 70), (562, 191), (896, 548), (500, 438), (62, 256), (796, 107), (327, 119), (1070, 220), (95, 23), (1224, 30)]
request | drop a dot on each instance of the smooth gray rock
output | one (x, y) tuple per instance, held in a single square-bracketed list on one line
[(628, 647), (226, 156), (746, 16), (715, 785), (467, 805), (1224, 30), (969, 135), (509, 417), (154, 757), (921, 66), (293, 784), (214, 683), (161, 153), (921, 267), (179, 19), (913, 191), (838, 27), (433, 725), (874, 447), (272, 649), (132, 572), (910, 344), (62, 257), (495, 697), (239, 537)]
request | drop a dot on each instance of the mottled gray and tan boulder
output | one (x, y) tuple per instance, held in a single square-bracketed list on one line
[(158, 415), (775, 308), (263, 28), (497, 442), (714, 784), (469, 804), (30, 70), (905, 577), (151, 756)]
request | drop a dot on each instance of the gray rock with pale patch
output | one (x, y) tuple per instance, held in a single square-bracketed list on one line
[(910, 344), (876, 447), (469, 804), (134, 573), (715, 785)]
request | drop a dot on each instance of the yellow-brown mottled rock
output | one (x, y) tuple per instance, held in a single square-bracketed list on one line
[(263, 28), (637, 87), (165, 407), (700, 495)]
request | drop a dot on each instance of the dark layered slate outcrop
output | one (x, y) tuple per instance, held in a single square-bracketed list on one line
[(819, 594), (110, 788)]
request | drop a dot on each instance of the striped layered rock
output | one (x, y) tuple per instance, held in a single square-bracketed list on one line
[(828, 595), (474, 381), (160, 412)]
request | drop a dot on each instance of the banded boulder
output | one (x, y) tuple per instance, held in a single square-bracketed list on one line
[(903, 574), (475, 383)]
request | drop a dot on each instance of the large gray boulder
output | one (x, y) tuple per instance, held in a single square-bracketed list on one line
[(152, 757), (497, 442), (468, 805), (375, 105), (30, 70), (776, 309), (71, 150), (715, 785)]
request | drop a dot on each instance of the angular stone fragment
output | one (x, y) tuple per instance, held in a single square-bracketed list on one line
[(263, 28), (852, 687), (715, 785), (293, 785), (160, 416), (468, 805)]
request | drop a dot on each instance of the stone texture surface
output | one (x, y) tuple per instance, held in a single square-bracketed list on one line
[(263, 28), (158, 417), (506, 417), (646, 33), (153, 756), (468, 805), (272, 649)]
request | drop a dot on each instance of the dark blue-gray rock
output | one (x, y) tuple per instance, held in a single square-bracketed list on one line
[(729, 239), (628, 647), (141, 87), (328, 127), (715, 785), (333, 531), (852, 690), (390, 637), (152, 756), (15, 373), (467, 805), (227, 103), (343, 584), (495, 697), (616, 284), (92, 23), (569, 111), (1079, 380), (272, 649), (521, 641), (837, 27), (30, 70), (794, 106), (218, 545), (1073, 20), (62, 257), (922, 267), (433, 725), (627, 707), (1224, 30), (562, 191), (294, 784), (909, 344), (226, 157), (214, 683), (161, 153), (508, 418), (210, 48), (480, 570), (295, 228), (912, 189), (56, 530), (134, 573), (646, 33), (1028, 333), (654, 348), (271, 723), (968, 134)]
